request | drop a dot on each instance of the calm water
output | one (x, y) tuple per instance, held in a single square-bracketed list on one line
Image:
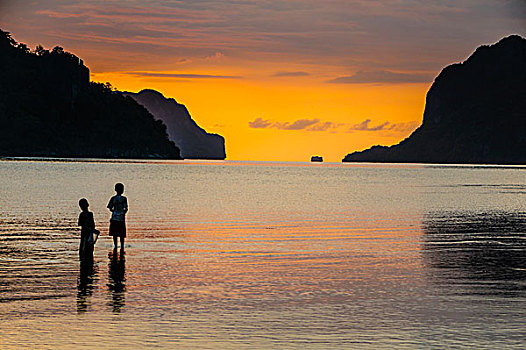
[(265, 255)]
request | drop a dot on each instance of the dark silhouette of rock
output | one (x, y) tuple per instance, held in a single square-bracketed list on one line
[(475, 113), (194, 142), (49, 108), (316, 159)]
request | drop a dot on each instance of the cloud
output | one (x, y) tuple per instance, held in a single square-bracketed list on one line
[(259, 123), (382, 77), (316, 124), (323, 126), (361, 35), (299, 124), (364, 126), (217, 55), (403, 127), (59, 15), (392, 128), (181, 75), (291, 74)]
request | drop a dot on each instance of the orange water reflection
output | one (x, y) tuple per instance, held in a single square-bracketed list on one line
[(247, 265)]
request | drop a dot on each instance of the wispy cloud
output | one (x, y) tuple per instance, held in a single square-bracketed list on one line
[(385, 126), (299, 124), (59, 15), (324, 126), (260, 123), (403, 127), (217, 55), (181, 75), (364, 126), (291, 74), (380, 36), (316, 124), (382, 77)]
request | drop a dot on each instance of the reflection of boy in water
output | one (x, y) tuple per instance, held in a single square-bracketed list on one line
[(118, 206), (87, 276), (116, 280), (87, 225)]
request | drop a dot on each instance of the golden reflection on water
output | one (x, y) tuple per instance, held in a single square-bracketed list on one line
[(276, 267)]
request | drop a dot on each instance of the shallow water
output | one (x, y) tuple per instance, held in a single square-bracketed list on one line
[(265, 255)]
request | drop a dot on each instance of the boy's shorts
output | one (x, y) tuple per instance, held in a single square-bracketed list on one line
[(117, 228)]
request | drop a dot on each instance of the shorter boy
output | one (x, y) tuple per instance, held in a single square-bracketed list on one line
[(118, 205), (87, 225)]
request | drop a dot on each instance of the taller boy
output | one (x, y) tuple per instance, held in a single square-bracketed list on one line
[(118, 206)]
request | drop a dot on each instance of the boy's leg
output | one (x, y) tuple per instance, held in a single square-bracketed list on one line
[(81, 248), (114, 242), (122, 243), (89, 250)]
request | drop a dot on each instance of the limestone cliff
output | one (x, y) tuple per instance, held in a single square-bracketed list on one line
[(475, 113), (193, 141)]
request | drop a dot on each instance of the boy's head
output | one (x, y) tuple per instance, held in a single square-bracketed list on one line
[(83, 204), (119, 188)]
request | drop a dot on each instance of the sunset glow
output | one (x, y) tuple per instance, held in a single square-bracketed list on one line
[(280, 80)]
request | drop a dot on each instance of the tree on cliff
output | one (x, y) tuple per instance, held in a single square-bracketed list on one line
[(48, 107)]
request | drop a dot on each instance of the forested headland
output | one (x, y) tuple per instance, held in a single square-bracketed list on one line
[(49, 108)]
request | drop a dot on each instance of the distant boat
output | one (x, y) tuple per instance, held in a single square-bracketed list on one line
[(316, 159)]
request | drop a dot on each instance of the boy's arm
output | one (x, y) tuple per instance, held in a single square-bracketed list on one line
[(125, 205), (91, 221), (110, 204)]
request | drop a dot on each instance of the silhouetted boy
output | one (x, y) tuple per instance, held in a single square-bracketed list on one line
[(87, 225), (118, 206)]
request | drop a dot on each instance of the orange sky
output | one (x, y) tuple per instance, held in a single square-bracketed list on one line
[(228, 106), (280, 80)]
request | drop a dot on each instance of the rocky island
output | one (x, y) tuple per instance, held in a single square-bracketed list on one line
[(475, 112), (193, 141), (49, 108)]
